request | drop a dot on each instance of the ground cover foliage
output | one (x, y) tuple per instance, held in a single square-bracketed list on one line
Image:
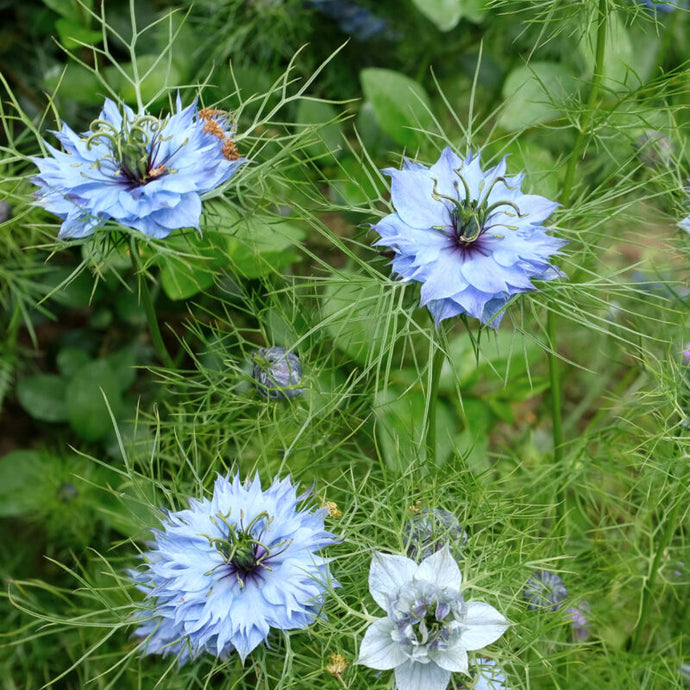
[(283, 340)]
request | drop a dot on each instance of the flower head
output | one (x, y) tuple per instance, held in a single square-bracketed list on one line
[(353, 19), (429, 627), (544, 590), (578, 619), (222, 573), (141, 171), (430, 530), (470, 237), (276, 372)]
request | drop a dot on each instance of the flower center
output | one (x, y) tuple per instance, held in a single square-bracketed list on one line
[(423, 624), (134, 147), (243, 549), (468, 217)]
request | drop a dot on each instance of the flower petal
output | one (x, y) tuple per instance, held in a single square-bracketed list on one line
[(483, 625), (415, 676), (388, 573), (378, 649), (441, 569)]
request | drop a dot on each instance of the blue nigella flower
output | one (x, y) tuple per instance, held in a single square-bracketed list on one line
[(544, 590), (143, 172), (663, 5), (431, 530), (222, 573), (429, 627), (470, 237), (353, 19), (685, 224), (276, 372)]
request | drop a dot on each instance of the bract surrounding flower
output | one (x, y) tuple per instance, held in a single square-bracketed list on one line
[(429, 627), (544, 590), (429, 531), (222, 573), (470, 237), (276, 372), (141, 171)]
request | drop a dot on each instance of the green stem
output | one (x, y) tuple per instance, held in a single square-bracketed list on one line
[(436, 357), (566, 196), (147, 303), (592, 97), (669, 529)]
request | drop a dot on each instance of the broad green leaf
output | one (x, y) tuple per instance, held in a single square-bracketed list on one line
[(475, 10), (624, 65), (355, 310), (70, 360), (87, 411), (23, 479), (400, 427), (181, 279), (123, 364), (261, 246), (541, 171), (43, 397), (530, 92), (75, 83), (401, 104), (70, 9), (195, 266), (73, 34), (444, 13), (328, 132), (351, 185)]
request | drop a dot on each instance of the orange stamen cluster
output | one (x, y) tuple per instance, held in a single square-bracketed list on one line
[(212, 126)]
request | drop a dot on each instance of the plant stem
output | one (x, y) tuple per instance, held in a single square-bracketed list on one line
[(436, 357), (147, 303), (566, 196)]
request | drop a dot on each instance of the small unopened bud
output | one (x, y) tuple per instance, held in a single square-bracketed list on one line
[(544, 590), (276, 372)]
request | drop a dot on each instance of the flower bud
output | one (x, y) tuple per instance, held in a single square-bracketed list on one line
[(276, 372)]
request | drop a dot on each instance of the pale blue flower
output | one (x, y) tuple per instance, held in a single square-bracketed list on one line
[(470, 237), (544, 590), (429, 627), (222, 573), (685, 224), (136, 169), (431, 530)]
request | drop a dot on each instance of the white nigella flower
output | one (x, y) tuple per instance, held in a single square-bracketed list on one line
[(429, 627)]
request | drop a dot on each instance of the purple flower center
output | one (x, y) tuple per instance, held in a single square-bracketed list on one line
[(245, 555), (134, 147), (469, 218)]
